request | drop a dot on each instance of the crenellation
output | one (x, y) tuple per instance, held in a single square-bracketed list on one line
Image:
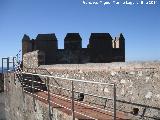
[(73, 41), (102, 48), (118, 50), (27, 44), (116, 42), (48, 44), (43, 37)]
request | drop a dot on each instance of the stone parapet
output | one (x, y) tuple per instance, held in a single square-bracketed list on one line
[(34, 59), (137, 84)]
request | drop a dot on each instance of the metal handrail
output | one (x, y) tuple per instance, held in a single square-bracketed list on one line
[(74, 91), (84, 81), (70, 79)]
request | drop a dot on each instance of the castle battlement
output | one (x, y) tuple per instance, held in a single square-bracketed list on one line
[(102, 48)]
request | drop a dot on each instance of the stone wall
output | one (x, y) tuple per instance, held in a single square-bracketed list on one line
[(137, 84), (34, 59), (19, 105), (2, 107), (37, 58), (73, 57)]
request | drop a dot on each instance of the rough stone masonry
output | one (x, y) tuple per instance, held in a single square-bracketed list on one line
[(137, 84)]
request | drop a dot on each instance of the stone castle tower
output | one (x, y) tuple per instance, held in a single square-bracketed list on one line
[(43, 42), (73, 41), (26, 44), (48, 44), (118, 45), (102, 48)]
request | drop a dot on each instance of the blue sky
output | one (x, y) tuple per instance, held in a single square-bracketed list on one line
[(140, 24)]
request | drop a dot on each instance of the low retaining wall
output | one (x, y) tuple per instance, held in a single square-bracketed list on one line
[(20, 106)]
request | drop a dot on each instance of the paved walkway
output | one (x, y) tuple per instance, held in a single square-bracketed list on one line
[(82, 110)]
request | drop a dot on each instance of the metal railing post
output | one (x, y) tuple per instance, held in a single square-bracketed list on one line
[(13, 63), (17, 58), (22, 86), (73, 115), (49, 103), (7, 66), (13, 59), (114, 101), (2, 70), (22, 81), (33, 93), (2, 65), (14, 67), (7, 63)]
